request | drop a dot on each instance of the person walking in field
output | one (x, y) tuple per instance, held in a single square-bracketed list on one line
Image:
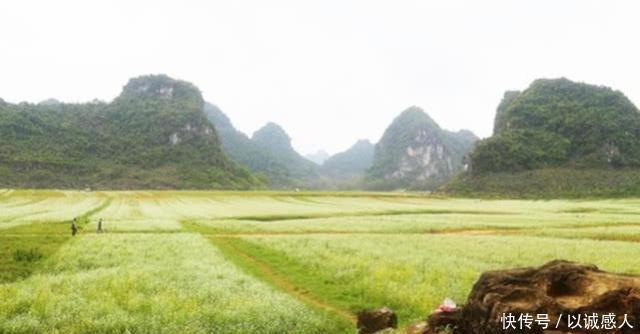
[(74, 227), (99, 226)]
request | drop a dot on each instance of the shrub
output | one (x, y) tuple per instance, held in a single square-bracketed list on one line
[(27, 255)]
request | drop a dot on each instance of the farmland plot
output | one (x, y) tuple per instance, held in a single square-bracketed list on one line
[(24, 207), (268, 262), (414, 273), (144, 283)]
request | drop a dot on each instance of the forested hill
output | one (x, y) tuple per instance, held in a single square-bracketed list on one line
[(351, 163), (278, 170), (154, 135), (559, 137), (273, 140)]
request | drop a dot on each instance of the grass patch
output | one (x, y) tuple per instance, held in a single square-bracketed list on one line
[(579, 210), (549, 183), (412, 274), (20, 256), (17, 242), (22, 247), (27, 255), (87, 215), (270, 218), (297, 273), (235, 251), (196, 227)]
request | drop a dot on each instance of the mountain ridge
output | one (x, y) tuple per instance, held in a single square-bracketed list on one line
[(352, 162), (558, 137), (153, 135), (268, 152)]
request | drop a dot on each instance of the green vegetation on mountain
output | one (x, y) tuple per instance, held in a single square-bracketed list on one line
[(273, 140), (244, 151), (154, 135), (560, 137), (552, 182), (351, 163), (346, 170), (415, 153), (559, 122), (500, 119), (268, 153)]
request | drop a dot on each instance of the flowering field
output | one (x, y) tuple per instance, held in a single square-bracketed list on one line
[(146, 283), (267, 262)]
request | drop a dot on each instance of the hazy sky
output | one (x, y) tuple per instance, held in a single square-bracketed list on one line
[(328, 71)]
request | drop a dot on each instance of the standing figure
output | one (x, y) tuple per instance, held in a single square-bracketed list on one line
[(99, 226), (74, 227)]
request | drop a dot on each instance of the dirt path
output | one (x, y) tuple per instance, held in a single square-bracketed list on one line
[(283, 283)]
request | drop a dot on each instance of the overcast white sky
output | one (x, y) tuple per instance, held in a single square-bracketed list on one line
[(330, 72)]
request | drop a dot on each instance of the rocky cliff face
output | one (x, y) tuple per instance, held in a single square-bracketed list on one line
[(424, 158), (415, 153)]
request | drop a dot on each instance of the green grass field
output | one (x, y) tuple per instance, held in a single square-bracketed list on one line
[(272, 262)]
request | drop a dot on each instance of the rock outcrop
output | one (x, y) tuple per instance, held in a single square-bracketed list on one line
[(563, 295), (374, 321)]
